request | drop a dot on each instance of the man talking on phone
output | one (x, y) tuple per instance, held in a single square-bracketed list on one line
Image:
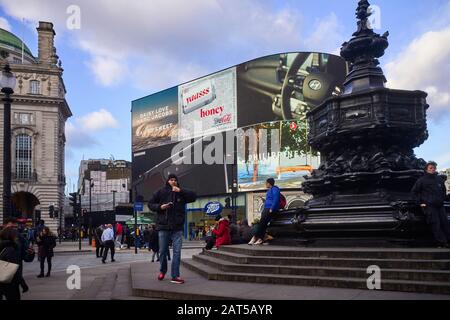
[(169, 203)]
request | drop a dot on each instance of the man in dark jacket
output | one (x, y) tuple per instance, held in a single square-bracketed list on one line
[(169, 203), (99, 247), (430, 192)]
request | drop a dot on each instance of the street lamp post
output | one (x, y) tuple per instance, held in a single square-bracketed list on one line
[(90, 211), (7, 83), (79, 223)]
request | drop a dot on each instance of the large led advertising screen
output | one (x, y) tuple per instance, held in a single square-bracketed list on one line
[(208, 105), (274, 150), (155, 120), (278, 89)]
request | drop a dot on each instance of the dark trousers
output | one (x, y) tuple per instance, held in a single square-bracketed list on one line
[(109, 245), (266, 217), (437, 218), (10, 291), (99, 250), (210, 242), (49, 264)]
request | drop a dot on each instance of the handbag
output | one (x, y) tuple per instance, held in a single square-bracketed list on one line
[(7, 270), (29, 256)]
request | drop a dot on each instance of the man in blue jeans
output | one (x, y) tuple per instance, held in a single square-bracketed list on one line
[(271, 206), (169, 203)]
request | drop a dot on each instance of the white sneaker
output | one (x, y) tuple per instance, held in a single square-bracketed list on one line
[(252, 242), (259, 242)]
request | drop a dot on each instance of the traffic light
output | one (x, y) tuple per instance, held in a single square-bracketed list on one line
[(73, 198), (51, 211)]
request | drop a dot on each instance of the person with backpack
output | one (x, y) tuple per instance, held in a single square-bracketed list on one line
[(271, 207)]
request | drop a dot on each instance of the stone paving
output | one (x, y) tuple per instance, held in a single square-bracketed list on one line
[(54, 288)]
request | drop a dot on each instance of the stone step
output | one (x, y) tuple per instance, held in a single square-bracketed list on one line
[(147, 286), (330, 262), (375, 253), (91, 291), (122, 287), (316, 281), (394, 274), (106, 290)]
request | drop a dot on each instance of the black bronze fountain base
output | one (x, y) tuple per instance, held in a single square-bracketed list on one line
[(366, 138), (394, 224)]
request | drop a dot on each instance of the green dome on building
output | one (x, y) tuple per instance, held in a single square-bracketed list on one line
[(10, 40)]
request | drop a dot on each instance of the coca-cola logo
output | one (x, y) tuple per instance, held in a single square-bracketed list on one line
[(223, 120)]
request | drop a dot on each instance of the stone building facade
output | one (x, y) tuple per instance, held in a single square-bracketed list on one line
[(39, 113)]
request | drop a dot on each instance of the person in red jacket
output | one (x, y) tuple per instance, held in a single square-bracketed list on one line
[(119, 233), (222, 232)]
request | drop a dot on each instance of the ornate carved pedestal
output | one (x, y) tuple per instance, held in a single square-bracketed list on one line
[(366, 137)]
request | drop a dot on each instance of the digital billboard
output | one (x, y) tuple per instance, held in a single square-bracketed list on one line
[(278, 89), (155, 120), (274, 150), (208, 105)]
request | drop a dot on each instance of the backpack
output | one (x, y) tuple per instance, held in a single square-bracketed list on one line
[(283, 201)]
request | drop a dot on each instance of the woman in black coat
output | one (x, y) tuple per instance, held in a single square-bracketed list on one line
[(9, 251), (154, 243), (46, 242)]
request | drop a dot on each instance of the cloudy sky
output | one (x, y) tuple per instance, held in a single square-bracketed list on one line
[(124, 50)]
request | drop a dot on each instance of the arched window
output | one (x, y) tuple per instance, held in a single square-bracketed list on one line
[(35, 87), (23, 156)]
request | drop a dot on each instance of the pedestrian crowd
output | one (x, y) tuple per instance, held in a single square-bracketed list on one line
[(17, 242), (17, 246)]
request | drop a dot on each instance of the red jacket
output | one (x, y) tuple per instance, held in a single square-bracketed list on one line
[(222, 233), (119, 229)]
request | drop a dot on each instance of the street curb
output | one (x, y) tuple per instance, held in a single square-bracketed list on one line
[(118, 251)]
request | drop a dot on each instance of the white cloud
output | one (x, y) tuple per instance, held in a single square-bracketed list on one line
[(97, 120), (77, 138), (444, 160), (425, 65), (4, 24), (161, 43), (328, 35)]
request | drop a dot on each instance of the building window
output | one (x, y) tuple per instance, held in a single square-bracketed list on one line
[(23, 156), (17, 60), (23, 118), (35, 87)]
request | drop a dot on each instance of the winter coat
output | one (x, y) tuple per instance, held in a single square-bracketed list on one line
[(46, 243), (430, 190), (119, 229), (222, 233), (154, 241), (234, 234), (245, 233), (272, 199), (146, 235), (98, 236), (173, 218)]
